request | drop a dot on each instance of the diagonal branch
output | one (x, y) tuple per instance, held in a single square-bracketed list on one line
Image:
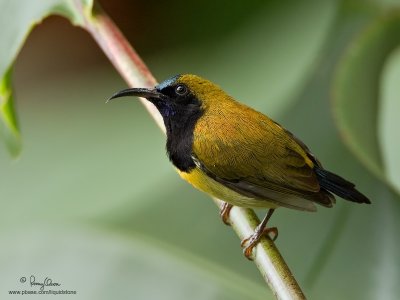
[(124, 58)]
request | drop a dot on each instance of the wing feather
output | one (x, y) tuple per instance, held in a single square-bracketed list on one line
[(258, 158)]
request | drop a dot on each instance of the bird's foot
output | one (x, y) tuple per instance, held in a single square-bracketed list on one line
[(224, 212), (252, 241)]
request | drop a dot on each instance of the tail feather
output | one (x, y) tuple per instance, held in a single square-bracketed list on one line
[(339, 186)]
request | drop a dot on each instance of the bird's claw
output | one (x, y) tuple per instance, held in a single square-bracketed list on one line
[(224, 212), (252, 241)]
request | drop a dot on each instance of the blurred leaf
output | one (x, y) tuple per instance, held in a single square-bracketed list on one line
[(17, 20), (8, 122), (103, 265), (320, 247), (389, 120), (356, 89)]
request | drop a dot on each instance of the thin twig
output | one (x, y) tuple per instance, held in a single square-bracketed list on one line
[(124, 58)]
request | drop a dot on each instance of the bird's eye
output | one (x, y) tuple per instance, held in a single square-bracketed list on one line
[(181, 90)]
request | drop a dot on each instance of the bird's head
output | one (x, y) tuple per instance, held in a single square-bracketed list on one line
[(179, 97), (181, 100)]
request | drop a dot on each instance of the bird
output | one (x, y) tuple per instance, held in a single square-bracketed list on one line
[(239, 155)]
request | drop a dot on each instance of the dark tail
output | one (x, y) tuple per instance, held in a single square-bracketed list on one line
[(339, 186)]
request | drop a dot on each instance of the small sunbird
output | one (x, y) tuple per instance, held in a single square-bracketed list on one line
[(239, 155)]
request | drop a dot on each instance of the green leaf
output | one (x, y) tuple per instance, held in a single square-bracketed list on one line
[(8, 123), (356, 89), (389, 121), (17, 20)]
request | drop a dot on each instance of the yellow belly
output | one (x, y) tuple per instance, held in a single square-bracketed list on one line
[(208, 185)]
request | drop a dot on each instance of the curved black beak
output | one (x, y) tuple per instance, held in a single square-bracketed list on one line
[(138, 92)]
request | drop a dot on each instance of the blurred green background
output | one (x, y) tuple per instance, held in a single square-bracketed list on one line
[(93, 203)]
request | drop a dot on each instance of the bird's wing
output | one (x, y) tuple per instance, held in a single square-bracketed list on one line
[(260, 160)]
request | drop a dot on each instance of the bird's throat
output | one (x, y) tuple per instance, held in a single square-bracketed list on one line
[(180, 128)]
